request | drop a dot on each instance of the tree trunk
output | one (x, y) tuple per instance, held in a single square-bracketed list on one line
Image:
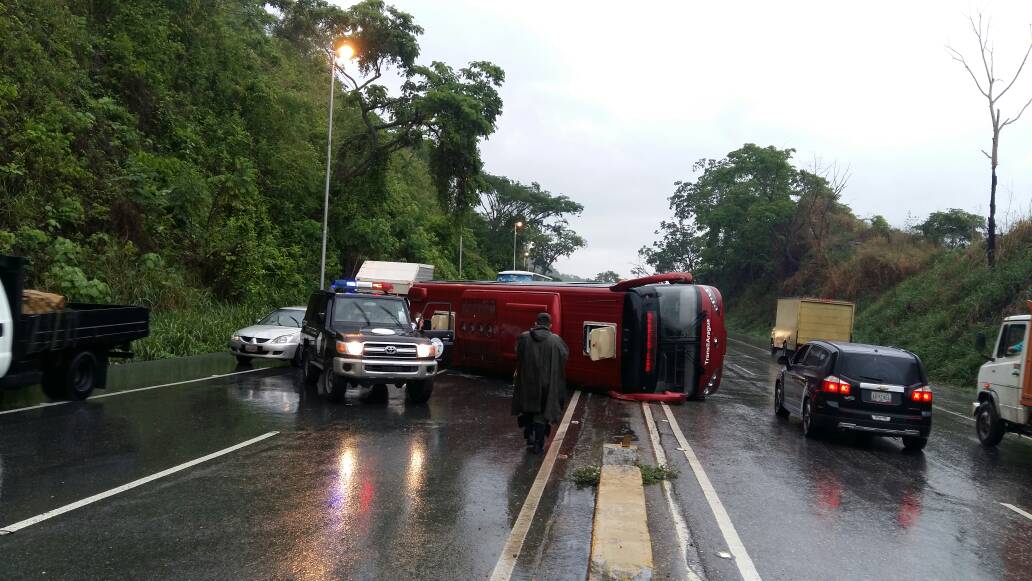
[(990, 243)]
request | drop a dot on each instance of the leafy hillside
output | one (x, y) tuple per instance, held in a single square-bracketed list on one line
[(760, 228), (172, 153)]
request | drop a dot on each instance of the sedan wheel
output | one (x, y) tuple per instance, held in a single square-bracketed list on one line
[(809, 429), (779, 401)]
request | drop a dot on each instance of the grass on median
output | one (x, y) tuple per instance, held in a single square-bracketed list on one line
[(650, 474)]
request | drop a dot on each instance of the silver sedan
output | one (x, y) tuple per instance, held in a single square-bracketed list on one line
[(275, 336)]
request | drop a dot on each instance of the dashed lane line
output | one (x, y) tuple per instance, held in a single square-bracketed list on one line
[(953, 413), (680, 527), (116, 393), (514, 545), (727, 528), (1017, 510), (109, 493), (760, 349), (741, 370)]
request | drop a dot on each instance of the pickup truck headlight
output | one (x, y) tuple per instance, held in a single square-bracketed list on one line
[(438, 346), (350, 347), (424, 350)]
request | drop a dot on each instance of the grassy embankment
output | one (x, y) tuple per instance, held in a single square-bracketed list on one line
[(936, 311)]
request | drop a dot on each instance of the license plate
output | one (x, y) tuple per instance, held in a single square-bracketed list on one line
[(881, 397), (251, 348), (881, 418)]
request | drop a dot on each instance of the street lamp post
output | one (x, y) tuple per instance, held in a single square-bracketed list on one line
[(515, 227), (342, 50)]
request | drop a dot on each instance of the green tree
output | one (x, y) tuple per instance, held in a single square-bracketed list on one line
[(730, 223), (608, 276), (953, 228)]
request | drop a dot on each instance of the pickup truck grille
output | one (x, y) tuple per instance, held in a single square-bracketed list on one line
[(258, 340), (390, 350)]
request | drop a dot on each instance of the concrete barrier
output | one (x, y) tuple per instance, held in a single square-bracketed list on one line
[(621, 548)]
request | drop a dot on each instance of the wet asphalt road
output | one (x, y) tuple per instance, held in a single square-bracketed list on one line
[(839, 508), (370, 490), (357, 490)]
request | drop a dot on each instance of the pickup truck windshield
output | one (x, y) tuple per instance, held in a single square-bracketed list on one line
[(370, 312), (885, 369)]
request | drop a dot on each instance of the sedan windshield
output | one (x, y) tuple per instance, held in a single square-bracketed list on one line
[(283, 318), (367, 312)]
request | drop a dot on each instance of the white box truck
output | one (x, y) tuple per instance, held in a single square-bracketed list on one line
[(401, 274)]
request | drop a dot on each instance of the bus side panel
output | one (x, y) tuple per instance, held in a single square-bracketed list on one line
[(488, 323), (582, 311), (713, 338)]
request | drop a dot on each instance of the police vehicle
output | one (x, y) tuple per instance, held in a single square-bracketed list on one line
[(360, 334)]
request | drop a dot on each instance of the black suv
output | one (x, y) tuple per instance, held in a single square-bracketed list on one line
[(850, 386), (351, 338)]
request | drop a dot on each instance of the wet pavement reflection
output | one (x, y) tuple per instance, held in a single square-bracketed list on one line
[(853, 507), (361, 489)]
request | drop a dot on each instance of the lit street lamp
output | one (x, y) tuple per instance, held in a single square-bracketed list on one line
[(343, 51), (515, 227)]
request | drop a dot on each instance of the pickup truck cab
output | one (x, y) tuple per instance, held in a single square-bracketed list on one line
[(67, 349), (1005, 384), (359, 334)]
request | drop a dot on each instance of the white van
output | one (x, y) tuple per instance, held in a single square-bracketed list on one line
[(1005, 383)]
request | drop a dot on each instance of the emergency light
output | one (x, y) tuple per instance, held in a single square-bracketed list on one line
[(350, 285)]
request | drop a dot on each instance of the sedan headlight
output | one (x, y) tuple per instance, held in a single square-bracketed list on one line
[(424, 350), (235, 338), (284, 338), (350, 347)]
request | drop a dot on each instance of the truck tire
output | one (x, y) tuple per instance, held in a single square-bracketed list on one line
[(378, 394), (333, 387), (74, 377), (419, 391), (309, 372), (988, 425)]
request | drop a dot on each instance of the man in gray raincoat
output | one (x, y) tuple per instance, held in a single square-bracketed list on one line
[(539, 392)]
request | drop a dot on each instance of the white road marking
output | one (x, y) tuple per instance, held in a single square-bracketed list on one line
[(514, 545), (91, 499), (760, 349), (959, 415), (680, 527), (727, 528), (1017, 510), (740, 370), (113, 394)]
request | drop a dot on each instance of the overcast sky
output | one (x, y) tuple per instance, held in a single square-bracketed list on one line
[(610, 103)]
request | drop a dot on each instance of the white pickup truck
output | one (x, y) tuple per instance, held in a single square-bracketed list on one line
[(1005, 383)]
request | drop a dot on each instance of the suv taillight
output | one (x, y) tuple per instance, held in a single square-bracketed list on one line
[(833, 384), (921, 395)]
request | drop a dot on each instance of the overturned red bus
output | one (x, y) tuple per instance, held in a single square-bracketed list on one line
[(657, 333)]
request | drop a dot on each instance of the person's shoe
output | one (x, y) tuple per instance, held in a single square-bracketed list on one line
[(539, 437)]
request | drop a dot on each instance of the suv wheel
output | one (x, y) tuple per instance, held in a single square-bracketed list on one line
[(779, 401), (810, 430), (333, 387), (378, 394), (988, 425), (914, 443), (419, 391), (308, 370)]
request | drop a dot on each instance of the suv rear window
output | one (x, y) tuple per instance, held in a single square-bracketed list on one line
[(881, 368)]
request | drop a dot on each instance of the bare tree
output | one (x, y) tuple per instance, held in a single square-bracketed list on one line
[(988, 87)]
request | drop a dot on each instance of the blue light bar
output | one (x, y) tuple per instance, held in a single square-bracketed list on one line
[(344, 285)]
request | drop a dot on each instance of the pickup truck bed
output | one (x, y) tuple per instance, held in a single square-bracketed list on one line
[(79, 325)]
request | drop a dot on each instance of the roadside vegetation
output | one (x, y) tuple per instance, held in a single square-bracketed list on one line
[(650, 474), (173, 154), (759, 228)]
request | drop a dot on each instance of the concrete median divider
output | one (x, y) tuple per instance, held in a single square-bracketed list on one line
[(621, 548)]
